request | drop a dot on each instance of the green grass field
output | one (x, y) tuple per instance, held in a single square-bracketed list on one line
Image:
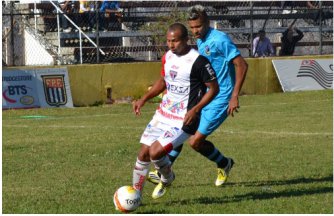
[(73, 160)]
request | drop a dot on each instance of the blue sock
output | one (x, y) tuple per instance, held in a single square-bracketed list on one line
[(175, 153), (212, 153)]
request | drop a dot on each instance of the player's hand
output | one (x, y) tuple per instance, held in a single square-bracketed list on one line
[(189, 117), (233, 105), (136, 105)]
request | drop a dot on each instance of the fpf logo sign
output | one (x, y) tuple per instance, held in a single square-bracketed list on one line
[(54, 90)]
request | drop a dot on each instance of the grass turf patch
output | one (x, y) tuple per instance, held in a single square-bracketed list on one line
[(73, 160)]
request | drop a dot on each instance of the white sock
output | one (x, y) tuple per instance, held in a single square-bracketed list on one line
[(139, 174), (164, 166)]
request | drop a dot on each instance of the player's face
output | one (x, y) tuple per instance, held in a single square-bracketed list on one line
[(176, 43), (198, 28)]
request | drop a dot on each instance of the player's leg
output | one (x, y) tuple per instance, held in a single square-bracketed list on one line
[(211, 119), (172, 138), (141, 168), (175, 153), (154, 176), (160, 159), (149, 136), (163, 165), (208, 150)]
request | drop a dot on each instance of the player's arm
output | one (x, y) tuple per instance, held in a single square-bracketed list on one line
[(241, 67), (158, 87), (213, 89)]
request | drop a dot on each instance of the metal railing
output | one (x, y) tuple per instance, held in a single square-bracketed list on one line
[(76, 27), (133, 42)]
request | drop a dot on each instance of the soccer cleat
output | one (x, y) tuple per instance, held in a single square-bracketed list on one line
[(161, 188), (154, 177), (223, 173)]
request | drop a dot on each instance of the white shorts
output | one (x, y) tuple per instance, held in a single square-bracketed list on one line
[(169, 136)]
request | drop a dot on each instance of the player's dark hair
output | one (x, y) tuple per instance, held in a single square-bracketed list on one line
[(196, 12), (181, 27)]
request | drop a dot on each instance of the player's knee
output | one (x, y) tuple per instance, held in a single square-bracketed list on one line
[(144, 154), (195, 144), (157, 151)]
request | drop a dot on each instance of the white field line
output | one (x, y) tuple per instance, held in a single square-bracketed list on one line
[(279, 133), (274, 133), (152, 111), (286, 103)]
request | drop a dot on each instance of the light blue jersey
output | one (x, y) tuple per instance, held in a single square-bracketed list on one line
[(218, 48)]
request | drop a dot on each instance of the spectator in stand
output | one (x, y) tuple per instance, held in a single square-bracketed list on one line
[(109, 11), (289, 41), (262, 46), (68, 7), (84, 14)]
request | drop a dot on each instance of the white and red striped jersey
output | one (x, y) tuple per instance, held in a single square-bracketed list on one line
[(185, 78)]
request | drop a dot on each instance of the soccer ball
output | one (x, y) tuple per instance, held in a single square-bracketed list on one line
[(127, 199)]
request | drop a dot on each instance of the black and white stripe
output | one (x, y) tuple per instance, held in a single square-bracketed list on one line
[(56, 95), (314, 70)]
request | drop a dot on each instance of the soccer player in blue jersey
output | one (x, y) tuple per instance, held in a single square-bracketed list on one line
[(231, 69)]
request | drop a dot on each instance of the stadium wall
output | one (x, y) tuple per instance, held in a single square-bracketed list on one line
[(90, 82)]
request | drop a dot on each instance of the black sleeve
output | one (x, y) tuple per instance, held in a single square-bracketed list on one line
[(204, 69), (201, 73)]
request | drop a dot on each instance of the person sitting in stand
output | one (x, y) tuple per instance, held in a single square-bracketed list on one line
[(68, 7), (109, 11), (84, 14)]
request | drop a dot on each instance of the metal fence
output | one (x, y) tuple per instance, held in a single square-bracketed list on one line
[(35, 33)]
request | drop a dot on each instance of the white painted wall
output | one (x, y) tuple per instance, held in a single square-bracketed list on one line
[(34, 53)]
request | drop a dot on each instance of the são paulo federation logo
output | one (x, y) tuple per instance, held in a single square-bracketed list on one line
[(54, 90)]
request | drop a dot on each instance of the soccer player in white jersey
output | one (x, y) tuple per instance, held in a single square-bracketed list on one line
[(190, 84), (231, 69)]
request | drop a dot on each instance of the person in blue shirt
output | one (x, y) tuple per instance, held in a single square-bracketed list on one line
[(262, 46), (109, 10), (231, 69)]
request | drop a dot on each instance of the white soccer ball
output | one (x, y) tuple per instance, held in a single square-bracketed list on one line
[(127, 199)]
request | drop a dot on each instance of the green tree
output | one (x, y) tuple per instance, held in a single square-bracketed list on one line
[(159, 28)]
